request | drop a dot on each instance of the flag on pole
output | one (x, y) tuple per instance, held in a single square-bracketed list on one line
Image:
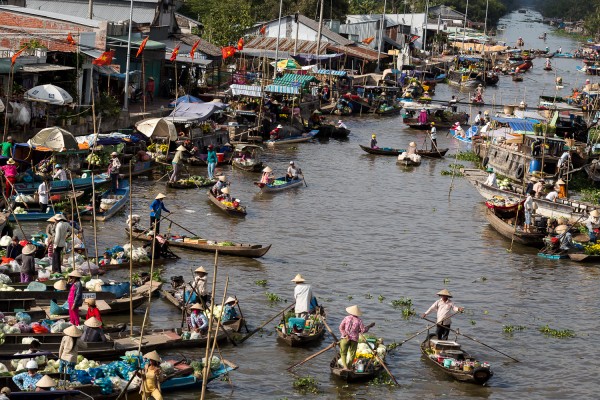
[(263, 30), (17, 54), (142, 46), (240, 44), (368, 40), (174, 53), (70, 39), (227, 52), (105, 58), (413, 38), (193, 50)]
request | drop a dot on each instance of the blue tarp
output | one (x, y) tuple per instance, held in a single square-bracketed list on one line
[(470, 59), (333, 72), (521, 126), (185, 99)]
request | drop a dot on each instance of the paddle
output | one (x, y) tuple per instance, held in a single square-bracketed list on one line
[(303, 179), (242, 314), (263, 325), (380, 361), (176, 224), (318, 353), (475, 340), (329, 330), (426, 329)]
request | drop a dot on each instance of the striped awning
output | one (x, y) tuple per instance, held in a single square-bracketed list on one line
[(246, 90), (282, 89), (331, 72)]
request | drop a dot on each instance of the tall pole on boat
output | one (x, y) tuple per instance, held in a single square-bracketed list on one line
[(425, 27), (465, 27), (11, 75), (131, 250), (487, 5), (380, 42), (297, 26), (127, 65), (206, 369), (277, 44), (317, 51)]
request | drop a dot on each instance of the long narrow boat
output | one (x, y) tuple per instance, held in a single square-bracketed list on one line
[(464, 368), (439, 153), (305, 137), (303, 338), (407, 162), (240, 211), (385, 151), (247, 158), (508, 231), (63, 186), (36, 215), (370, 372), (191, 183), (279, 184), (119, 199), (209, 246), (584, 258)]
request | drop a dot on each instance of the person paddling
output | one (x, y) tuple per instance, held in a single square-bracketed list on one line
[(444, 307), (157, 207), (350, 329)]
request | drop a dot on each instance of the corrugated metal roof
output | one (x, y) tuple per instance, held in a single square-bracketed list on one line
[(357, 51), (295, 80), (35, 68), (285, 45), (113, 11), (282, 89), (246, 90), (56, 12), (204, 46)]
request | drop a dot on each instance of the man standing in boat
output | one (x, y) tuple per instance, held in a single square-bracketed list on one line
[(114, 166), (303, 296), (374, 141), (157, 207), (444, 307), (433, 134)]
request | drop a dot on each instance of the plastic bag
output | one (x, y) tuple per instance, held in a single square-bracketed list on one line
[(23, 117), (5, 279), (59, 326)]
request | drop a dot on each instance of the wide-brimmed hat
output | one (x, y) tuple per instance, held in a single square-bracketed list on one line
[(561, 229), (75, 274), (90, 302), (46, 382), (230, 300), (59, 217), (92, 322), (267, 169), (225, 190), (200, 270), (160, 196), (73, 331), (595, 213), (222, 178), (354, 310), (51, 219), (412, 144), (279, 126), (560, 182), (298, 279), (11, 161), (114, 153), (60, 285), (181, 148), (444, 292), (29, 249), (197, 306), (533, 179), (153, 355)]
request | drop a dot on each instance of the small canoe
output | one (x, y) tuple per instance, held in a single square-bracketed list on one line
[(114, 201), (553, 256), (439, 153), (279, 185), (247, 158), (420, 127), (305, 137), (370, 372), (229, 210), (407, 162), (385, 151), (436, 351), (584, 258), (251, 165), (191, 183), (303, 338)]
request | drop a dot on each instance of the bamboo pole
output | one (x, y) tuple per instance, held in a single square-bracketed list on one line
[(149, 292), (11, 76), (206, 369), (131, 251), (219, 325), (81, 226), (94, 218)]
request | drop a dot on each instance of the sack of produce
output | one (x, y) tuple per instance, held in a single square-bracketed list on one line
[(36, 327), (167, 368), (91, 285), (59, 326), (5, 279), (24, 327), (55, 309)]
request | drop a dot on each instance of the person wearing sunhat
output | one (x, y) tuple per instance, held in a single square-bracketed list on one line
[(27, 262), (292, 172), (61, 231), (566, 239), (177, 163), (229, 313), (592, 223), (4, 393), (28, 379), (445, 308), (92, 331), (75, 298), (68, 350), (10, 173), (276, 133), (553, 195), (561, 187), (374, 141), (45, 384), (341, 125), (211, 160), (157, 207), (433, 136), (199, 285), (219, 185), (151, 377), (350, 330), (59, 173), (532, 181), (303, 295), (114, 165), (60, 285), (224, 196), (92, 311), (198, 321), (14, 248), (267, 176), (491, 178), (538, 188), (412, 148), (528, 209)]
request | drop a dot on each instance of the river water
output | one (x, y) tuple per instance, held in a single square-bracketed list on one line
[(365, 227)]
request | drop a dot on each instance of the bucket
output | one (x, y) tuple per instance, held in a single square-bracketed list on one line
[(535, 165), (220, 157), (448, 362), (467, 367)]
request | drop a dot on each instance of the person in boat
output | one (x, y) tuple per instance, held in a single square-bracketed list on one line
[(452, 103), (566, 239), (199, 285), (548, 64), (27, 262), (478, 119), (561, 187), (341, 125), (160, 246), (14, 249), (444, 307), (28, 379), (219, 185), (374, 141), (592, 223), (528, 209), (563, 161), (157, 207), (61, 231), (276, 133), (92, 331), (412, 148), (106, 259), (198, 321), (10, 173), (458, 130), (433, 136), (60, 285), (46, 384), (553, 195), (267, 176), (68, 351), (491, 179), (303, 296), (59, 173), (351, 328), (92, 311), (529, 188), (292, 172), (43, 192), (538, 188), (315, 119), (211, 159), (75, 298), (236, 203), (151, 376), (224, 196), (229, 313), (114, 165), (177, 163)]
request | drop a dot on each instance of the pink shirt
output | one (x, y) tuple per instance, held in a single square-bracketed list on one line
[(9, 170), (71, 298), (444, 309), (351, 327)]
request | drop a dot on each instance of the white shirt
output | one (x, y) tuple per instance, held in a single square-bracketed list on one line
[(342, 125), (114, 165), (303, 295), (200, 285), (444, 309), (528, 204), (293, 171), (60, 174), (43, 193), (491, 180), (552, 196), (477, 118), (433, 133), (61, 231)]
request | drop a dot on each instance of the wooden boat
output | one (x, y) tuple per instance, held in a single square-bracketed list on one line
[(275, 187), (549, 256), (247, 158), (119, 199), (302, 339), (439, 153), (420, 127), (125, 264), (508, 231), (385, 151), (547, 68), (38, 215), (305, 137), (63, 186), (229, 210), (584, 258), (54, 198), (191, 183), (407, 162), (593, 171), (370, 372), (198, 244), (435, 351), (139, 168), (517, 78)]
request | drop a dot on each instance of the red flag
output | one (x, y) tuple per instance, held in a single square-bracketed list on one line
[(368, 40), (105, 58), (17, 54), (70, 39), (142, 46), (263, 30), (413, 38), (193, 50), (240, 45), (174, 53), (227, 52)]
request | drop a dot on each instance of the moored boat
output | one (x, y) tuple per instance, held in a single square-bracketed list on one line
[(384, 151), (279, 184), (370, 372), (63, 186), (434, 153), (247, 158), (305, 137), (192, 182), (584, 258), (239, 211), (298, 332), (535, 239), (109, 202)]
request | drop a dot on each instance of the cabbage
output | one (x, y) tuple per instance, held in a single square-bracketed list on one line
[(5, 279), (23, 317), (215, 362), (3, 369), (59, 326)]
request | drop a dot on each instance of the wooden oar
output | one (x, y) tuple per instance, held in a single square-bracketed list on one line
[(329, 330), (426, 329), (176, 224), (374, 352), (475, 340), (263, 325), (318, 353), (242, 314)]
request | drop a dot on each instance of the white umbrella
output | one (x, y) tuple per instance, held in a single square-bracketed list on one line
[(54, 138), (49, 94), (2, 108), (157, 127)]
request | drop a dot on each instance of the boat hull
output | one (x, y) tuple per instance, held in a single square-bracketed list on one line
[(62, 186)]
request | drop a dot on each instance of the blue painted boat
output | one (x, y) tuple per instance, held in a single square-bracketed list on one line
[(38, 216), (191, 382), (553, 256), (305, 137), (62, 186), (279, 184), (118, 200)]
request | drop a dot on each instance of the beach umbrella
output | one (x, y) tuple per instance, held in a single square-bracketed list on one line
[(54, 138), (157, 128), (287, 64), (50, 94), (185, 99)]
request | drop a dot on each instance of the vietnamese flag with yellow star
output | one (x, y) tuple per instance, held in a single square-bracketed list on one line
[(105, 58)]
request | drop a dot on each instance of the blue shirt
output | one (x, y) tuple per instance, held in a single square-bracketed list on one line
[(198, 321), (212, 157), (157, 206), (25, 381), (229, 313)]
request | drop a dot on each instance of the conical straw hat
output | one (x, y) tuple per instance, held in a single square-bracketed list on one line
[(93, 322), (444, 292), (200, 269), (298, 279), (46, 382), (153, 355), (73, 332), (60, 285), (354, 310)]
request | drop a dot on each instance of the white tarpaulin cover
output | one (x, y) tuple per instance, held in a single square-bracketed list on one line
[(49, 94), (157, 128), (187, 112), (54, 138)]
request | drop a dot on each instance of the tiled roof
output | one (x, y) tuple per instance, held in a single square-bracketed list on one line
[(57, 13), (325, 31), (204, 46)]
